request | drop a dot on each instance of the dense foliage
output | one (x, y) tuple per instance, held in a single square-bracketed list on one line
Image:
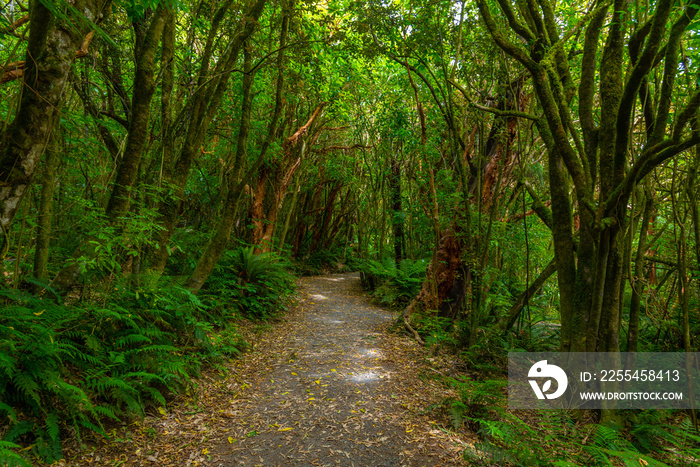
[(509, 175)]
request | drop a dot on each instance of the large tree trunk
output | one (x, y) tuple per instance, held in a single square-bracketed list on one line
[(51, 50), (443, 269), (293, 150)]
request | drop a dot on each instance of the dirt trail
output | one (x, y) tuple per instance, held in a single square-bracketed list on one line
[(331, 397), (326, 386)]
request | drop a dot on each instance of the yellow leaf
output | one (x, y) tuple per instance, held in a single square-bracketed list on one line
[(285, 429), (231, 440), (39, 313), (162, 411), (311, 399), (332, 369), (205, 451), (294, 373), (272, 380), (318, 381)]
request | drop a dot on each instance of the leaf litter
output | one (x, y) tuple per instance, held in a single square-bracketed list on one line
[(327, 385)]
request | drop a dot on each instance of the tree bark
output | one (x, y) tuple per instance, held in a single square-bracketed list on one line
[(293, 150), (218, 243), (144, 87), (637, 282), (396, 211)]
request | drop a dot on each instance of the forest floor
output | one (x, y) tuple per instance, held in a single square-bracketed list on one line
[(326, 385)]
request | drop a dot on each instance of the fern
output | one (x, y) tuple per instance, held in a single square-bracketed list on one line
[(9, 458), (78, 365)]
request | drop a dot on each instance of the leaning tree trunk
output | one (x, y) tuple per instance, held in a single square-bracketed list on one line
[(218, 243), (210, 92), (293, 150)]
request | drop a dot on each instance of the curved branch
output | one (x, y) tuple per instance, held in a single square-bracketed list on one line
[(500, 113)]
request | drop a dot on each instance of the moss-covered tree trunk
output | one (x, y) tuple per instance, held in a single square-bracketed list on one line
[(144, 87), (211, 87), (218, 243), (51, 50), (45, 214)]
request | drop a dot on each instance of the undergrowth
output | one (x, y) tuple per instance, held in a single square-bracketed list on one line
[(391, 285), (254, 285), (561, 438), (69, 368)]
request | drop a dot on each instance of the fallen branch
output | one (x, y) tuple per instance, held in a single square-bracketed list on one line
[(413, 331)]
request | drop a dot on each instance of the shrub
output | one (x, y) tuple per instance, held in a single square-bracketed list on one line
[(254, 284), (391, 285)]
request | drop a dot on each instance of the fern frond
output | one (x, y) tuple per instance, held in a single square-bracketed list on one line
[(9, 458), (28, 386)]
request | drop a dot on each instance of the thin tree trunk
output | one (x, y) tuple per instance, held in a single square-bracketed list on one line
[(321, 227), (396, 212), (288, 218), (211, 88), (144, 87), (637, 282), (517, 307), (218, 243), (45, 215)]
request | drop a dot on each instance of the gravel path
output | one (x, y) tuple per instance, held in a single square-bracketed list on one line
[(330, 399)]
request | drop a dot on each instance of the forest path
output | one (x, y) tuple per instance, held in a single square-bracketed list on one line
[(326, 385), (330, 389)]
